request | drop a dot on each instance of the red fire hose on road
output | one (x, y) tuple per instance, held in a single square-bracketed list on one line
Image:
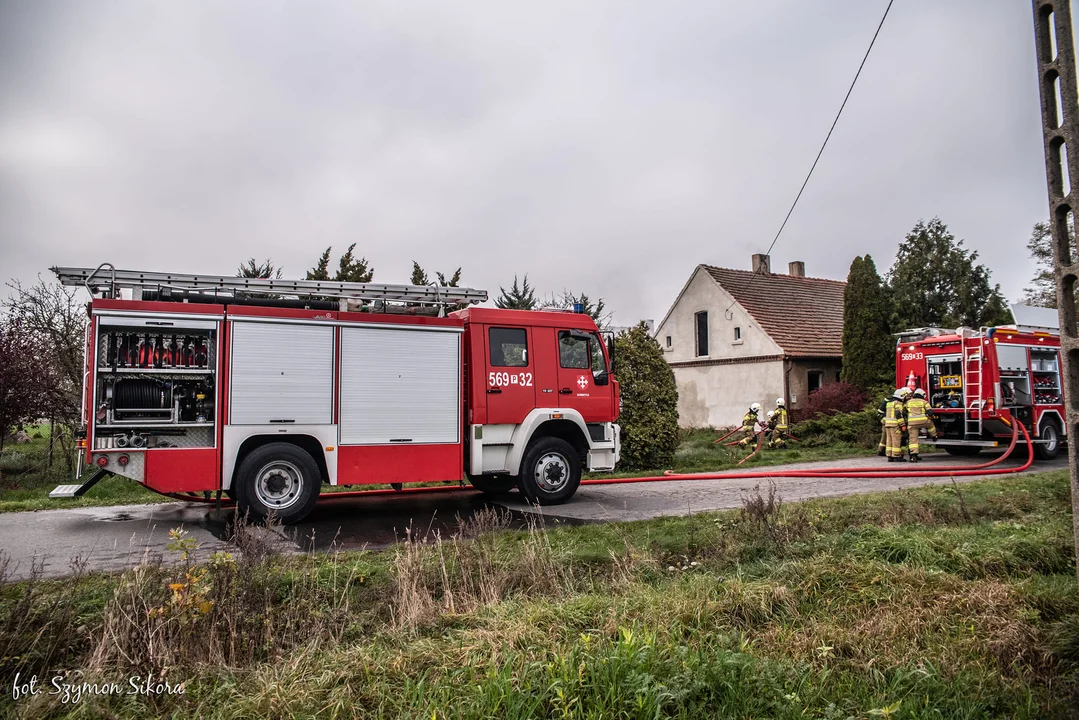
[(846, 473)]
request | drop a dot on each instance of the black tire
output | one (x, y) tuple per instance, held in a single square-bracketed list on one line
[(550, 471), (230, 493), (962, 450), (279, 478), (1049, 431), (493, 484)]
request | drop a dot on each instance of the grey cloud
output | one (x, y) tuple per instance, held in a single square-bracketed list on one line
[(607, 148)]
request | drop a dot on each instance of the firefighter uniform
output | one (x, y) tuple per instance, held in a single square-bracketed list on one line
[(782, 423), (882, 447), (904, 444), (919, 418), (895, 424), (770, 434), (749, 425)]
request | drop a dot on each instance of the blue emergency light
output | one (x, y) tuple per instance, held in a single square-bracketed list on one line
[(578, 307)]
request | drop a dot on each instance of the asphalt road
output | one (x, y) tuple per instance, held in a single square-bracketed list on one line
[(112, 538)]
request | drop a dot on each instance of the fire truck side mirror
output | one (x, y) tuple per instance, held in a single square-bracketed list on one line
[(610, 350)]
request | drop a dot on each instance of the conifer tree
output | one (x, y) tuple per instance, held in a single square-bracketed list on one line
[(321, 271), (868, 348), (936, 282), (519, 297), (649, 416)]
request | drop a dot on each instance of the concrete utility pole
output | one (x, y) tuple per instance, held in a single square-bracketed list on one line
[(1060, 125)]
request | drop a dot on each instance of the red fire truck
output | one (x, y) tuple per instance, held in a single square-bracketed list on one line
[(980, 383), (266, 389)]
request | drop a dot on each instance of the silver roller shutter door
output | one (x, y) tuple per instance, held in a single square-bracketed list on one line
[(400, 386), (281, 372)]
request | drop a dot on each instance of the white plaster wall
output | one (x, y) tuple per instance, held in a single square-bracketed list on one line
[(719, 395), (704, 293)]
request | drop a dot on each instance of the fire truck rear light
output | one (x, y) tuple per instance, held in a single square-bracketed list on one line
[(123, 460), (81, 444), (102, 460), (329, 448), (556, 416)]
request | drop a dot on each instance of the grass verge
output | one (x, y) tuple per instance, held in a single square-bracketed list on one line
[(936, 602)]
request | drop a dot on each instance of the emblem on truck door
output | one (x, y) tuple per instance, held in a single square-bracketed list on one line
[(582, 382)]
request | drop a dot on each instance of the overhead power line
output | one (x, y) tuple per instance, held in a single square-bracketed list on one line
[(829, 135)]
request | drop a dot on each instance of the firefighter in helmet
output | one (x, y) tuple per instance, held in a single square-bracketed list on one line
[(769, 429), (782, 422), (904, 446), (749, 425), (919, 417), (895, 424), (881, 412)]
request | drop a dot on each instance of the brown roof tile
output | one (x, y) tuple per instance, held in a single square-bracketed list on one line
[(803, 315)]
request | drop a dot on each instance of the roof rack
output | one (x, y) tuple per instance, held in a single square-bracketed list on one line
[(107, 280)]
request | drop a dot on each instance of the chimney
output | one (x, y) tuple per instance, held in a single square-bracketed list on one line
[(760, 264), (797, 269)]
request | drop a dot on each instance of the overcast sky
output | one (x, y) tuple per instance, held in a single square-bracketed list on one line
[(605, 147)]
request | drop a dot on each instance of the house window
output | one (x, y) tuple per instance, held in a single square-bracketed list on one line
[(702, 333), (816, 379), (668, 341), (737, 334)]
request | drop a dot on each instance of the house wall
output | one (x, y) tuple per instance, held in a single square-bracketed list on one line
[(716, 389), (719, 395), (799, 377), (702, 293)]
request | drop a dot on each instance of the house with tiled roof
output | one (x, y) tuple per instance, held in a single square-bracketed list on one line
[(735, 337)]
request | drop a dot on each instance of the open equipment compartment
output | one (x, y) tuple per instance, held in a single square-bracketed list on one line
[(156, 383)]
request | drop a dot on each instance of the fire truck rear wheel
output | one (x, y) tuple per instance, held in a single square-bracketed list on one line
[(550, 471), (279, 478), (1050, 433), (962, 450), (493, 484)]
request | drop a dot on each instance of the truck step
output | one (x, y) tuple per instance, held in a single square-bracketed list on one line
[(78, 490)]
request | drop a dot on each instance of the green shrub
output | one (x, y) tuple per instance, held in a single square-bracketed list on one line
[(649, 417), (856, 428)]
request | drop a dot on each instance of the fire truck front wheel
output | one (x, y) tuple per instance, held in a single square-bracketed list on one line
[(550, 471), (278, 478)]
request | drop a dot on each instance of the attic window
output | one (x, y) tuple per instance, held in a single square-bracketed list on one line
[(668, 341), (702, 333), (737, 334)]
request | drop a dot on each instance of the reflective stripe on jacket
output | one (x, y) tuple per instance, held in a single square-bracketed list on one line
[(749, 422), (781, 419), (917, 410), (894, 415)]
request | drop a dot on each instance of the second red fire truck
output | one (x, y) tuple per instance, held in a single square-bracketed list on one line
[(981, 382), (266, 390)]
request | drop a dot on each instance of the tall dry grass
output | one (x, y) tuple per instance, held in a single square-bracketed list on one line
[(239, 608), (433, 575)]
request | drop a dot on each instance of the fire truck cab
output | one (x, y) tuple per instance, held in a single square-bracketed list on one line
[(980, 383), (266, 390)]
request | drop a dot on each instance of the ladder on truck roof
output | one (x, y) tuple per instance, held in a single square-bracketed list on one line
[(972, 382), (108, 280)]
